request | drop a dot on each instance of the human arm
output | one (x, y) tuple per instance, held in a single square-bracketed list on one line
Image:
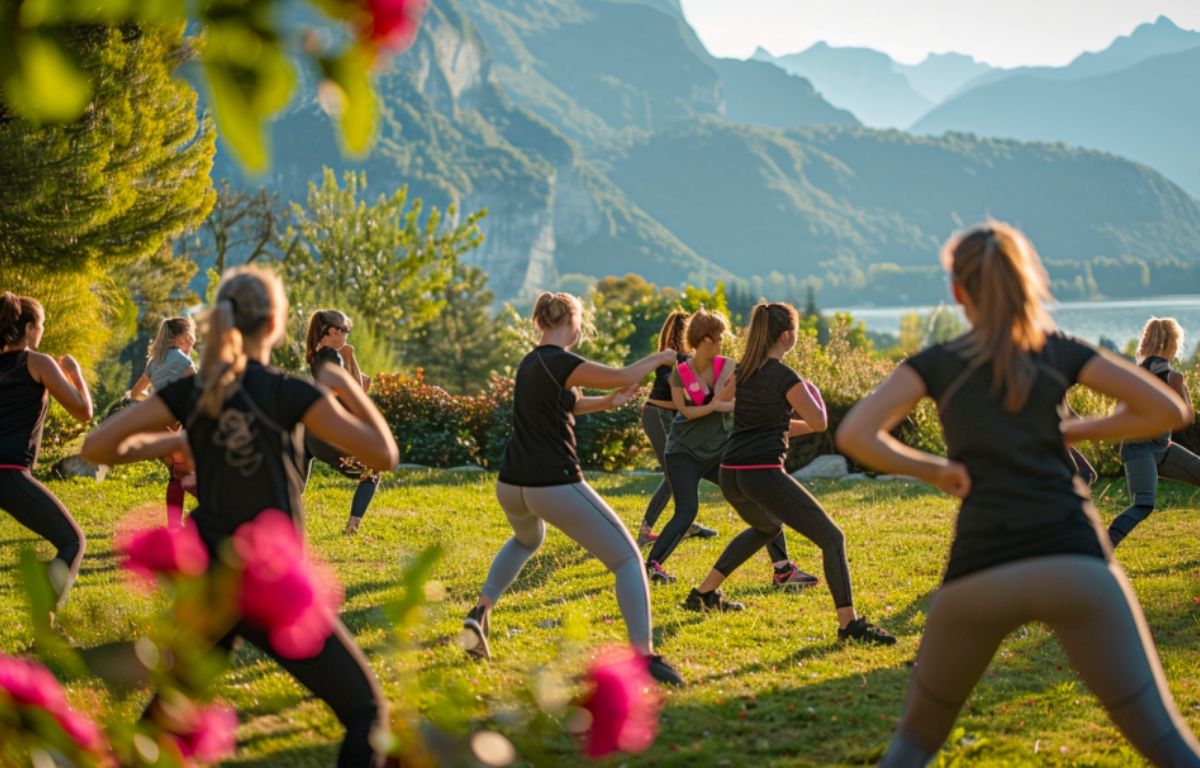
[(598, 376), (134, 434), (352, 368), (1178, 383), (63, 379), (1146, 406), (347, 418), (138, 390), (807, 403), (721, 402), (865, 436), (592, 404)]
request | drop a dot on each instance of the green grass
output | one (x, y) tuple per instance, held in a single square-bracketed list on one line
[(770, 686)]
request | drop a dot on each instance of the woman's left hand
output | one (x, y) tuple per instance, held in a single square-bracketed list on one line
[(620, 397)]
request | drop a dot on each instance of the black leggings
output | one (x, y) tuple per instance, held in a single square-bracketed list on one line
[(1142, 472), (656, 422), (347, 466), (32, 505), (684, 474), (769, 498)]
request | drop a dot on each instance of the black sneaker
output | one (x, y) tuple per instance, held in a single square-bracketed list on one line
[(474, 637), (711, 601), (791, 577), (657, 575), (663, 672), (695, 530), (864, 631)]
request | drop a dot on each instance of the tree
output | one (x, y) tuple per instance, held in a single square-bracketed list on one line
[(242, 228), (381, 261)]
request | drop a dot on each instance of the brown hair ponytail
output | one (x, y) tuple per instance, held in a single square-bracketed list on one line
[(16, 313), (247, 299), (671, 335), (767, 323), (168, 330), (319, 324), (1004, 278)]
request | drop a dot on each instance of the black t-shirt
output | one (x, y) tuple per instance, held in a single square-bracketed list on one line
[(542, 449), (23, 404), (247, 459), (325, 355), (662, 380), (761, 417), (1025, 500)]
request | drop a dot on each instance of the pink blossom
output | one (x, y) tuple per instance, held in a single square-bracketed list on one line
[(624, 703), (212, 735), (82, 730), (291, 596), (394, 23), (29, 684), (164, 551)]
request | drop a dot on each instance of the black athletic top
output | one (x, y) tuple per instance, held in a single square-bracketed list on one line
[(325, 355), (761, 417), (542, 449), (1160, 367), (23, 404), (662, 379), (247, 459), (1025, 500)]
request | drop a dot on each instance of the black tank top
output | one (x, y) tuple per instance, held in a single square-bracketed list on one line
[(662, 379), (541, 451), (325, 355), (248, 459), (23, 404)]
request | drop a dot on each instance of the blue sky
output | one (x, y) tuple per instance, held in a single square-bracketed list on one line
[(1001, 32)]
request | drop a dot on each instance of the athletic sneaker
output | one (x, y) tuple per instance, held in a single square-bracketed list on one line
[(663, 672), (657, 575), (474, 636), (646, 536), (865, 632), (791, 577), (710, 601), (699, 531)]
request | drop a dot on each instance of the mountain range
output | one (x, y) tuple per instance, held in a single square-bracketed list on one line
[(603, 139)]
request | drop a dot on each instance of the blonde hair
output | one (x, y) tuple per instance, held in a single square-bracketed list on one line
[(319, 324), (767, 323), (998, 268), (672, 334), (247, 299), (553, 309), (1161, 334), (169, 330), (705, 323)]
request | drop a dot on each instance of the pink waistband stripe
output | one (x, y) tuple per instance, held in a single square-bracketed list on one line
[(751, 466), (14, 466)]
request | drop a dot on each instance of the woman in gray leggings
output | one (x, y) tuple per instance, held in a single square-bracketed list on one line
[(1147, 460), (1028, 545), (541, 480)]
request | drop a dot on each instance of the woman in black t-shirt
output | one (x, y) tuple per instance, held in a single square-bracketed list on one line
[(26, 377), (325, 344), (753, 480), (541, 481), (244, 423), (1028, 545)]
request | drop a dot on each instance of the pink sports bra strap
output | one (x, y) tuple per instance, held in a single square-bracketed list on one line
[(692, 385)]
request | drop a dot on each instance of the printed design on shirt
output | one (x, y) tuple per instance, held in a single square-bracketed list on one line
[(236, 433)]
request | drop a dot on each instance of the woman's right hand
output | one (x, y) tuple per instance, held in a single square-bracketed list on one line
[(952, 478), (666, 357)]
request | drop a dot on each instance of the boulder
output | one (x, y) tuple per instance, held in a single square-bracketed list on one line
[(77, 466), (830, 466), (855, 476), (467, 468)]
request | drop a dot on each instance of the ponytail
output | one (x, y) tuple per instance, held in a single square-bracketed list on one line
[(767, 323), (168, 330), (1002, 274), (319, 323), (1161, 335), (16, 313), (247, 299), (671, 335)]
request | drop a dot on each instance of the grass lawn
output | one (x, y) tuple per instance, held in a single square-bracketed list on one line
[(770, 686)]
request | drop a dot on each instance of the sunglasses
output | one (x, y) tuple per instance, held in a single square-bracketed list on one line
[(341, 328)]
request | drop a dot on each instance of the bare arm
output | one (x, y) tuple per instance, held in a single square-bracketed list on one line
[(353, 369), (1178, 383), (864, 435), (807, 407), (358, 428), (139, 387), (721, 401), (597, 376), (134, 434), (64, 381), (1146, 408), (592, 404)]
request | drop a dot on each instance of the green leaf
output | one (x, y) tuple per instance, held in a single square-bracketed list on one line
[(403, 612), (357, 108), (47, 86)]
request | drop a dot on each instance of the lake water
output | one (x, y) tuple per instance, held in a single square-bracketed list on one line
[(1116, 320)]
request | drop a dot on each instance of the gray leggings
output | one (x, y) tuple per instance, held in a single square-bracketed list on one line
[(580, 513), (1089, 606), (1141, 474), (656, 422)]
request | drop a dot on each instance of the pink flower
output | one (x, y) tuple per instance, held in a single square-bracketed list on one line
[(164, 551), (394, 23), (82, 730), (212, 735), (292, 597), (29, 684), (624, 703)]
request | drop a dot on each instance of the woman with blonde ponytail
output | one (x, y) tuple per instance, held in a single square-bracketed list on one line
[(244, 424), (541, 480), (28, 379), (1148, 460), (1028, 545)]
